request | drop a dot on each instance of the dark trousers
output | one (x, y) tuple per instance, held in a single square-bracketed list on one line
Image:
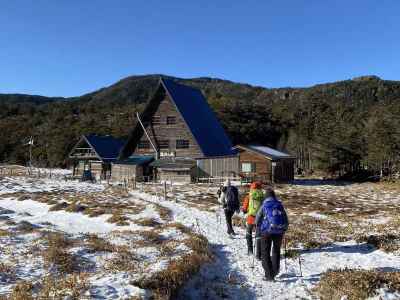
[(228, 217), (249, 239), (271, 264)]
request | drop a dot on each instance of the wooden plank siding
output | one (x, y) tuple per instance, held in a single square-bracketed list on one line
[(128, 173), (218, 167), (176, 176), (172, 132), (263, 166), (283, 171)]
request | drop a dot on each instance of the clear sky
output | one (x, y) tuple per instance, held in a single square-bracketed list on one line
[(71, 47)]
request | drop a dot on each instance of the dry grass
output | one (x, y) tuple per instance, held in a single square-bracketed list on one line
[(150, 222), (98, 244), (386, 242), (59, 206), (7, 272), (166, 283), (165, 213), (22, 291), (150, 238), (237, 221), (26, 227), (119, 219), (355, 284), (94, 212), (57, 255), (75, 207), (123, 260), (4, 232), (69, 287)]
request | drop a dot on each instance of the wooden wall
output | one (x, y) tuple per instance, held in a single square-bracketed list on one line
[(121, 173), (176, 176), (263, 167), (284, 169), (98, 168), (170, 132), (218, 167)]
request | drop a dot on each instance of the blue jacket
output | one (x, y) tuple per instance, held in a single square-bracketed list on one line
[(269, 202)]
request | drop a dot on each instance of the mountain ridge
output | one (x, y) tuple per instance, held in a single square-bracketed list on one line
[(337, 127)]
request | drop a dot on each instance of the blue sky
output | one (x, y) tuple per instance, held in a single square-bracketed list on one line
[(68, 48)]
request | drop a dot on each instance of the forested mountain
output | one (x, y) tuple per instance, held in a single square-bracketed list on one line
[(337, 127)]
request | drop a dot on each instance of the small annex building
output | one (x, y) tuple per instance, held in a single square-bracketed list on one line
[(94, 153), (183, 135), (265, 164)]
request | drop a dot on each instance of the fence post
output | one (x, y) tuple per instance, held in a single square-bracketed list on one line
[(165, 190)]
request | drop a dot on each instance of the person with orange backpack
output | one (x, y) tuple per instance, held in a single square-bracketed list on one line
[(252, 202)]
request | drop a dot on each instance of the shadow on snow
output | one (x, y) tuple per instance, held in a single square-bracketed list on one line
[(217, 280)]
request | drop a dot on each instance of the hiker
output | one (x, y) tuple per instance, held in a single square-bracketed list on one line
[(272, 221), (251, 204), (229, 198)]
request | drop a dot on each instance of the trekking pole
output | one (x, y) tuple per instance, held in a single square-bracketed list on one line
[(284, 244), (254, 245), (301, 273)]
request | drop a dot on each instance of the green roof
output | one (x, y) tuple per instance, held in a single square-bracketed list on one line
[(136, 160)]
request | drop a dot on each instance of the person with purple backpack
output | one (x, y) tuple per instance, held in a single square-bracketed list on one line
[(272, 222)]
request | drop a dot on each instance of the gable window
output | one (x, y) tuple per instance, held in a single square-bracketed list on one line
[(171, 120), (156, 120), (182, 144), (144, 145), (248, 167), (163, 144)]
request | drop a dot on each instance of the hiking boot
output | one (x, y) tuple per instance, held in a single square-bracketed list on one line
[(268, 279)]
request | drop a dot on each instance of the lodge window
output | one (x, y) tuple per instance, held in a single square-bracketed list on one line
[(171, 120), (182, 144), (163, 144), (144, 145), (156, 120), (248, 167)]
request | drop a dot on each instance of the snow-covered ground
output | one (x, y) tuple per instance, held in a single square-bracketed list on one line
[(359, 209), (231, 276), (111, 256)]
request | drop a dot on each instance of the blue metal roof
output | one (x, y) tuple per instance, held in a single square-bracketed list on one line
[(201, 120), (107, 147), (267, 151)]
